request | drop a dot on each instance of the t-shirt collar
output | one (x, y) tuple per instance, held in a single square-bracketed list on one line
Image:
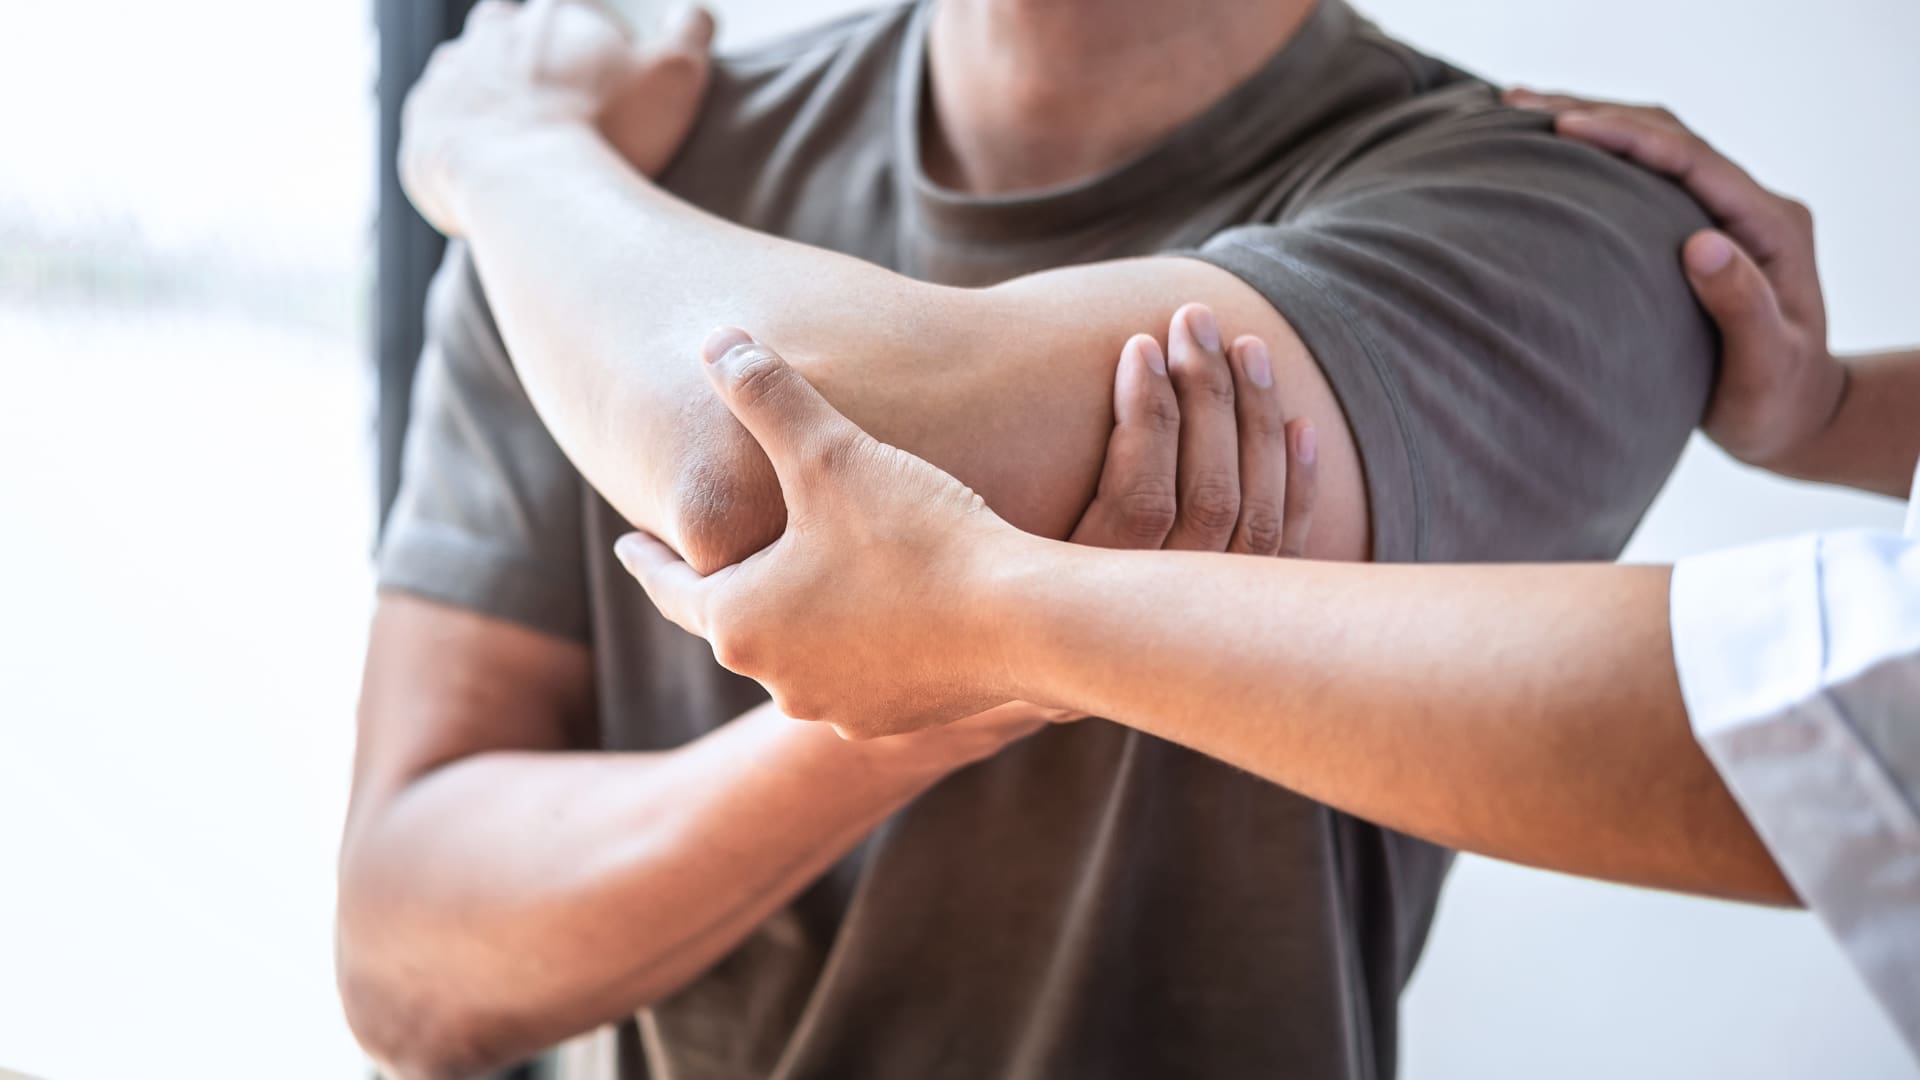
[(1233, 134)]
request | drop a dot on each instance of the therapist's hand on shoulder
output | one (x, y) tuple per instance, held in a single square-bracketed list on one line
[(518, 66), (873, 611), (1756, 275)]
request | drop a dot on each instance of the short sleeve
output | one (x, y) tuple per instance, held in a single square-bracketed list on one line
[(490, 512), (1503, 316)]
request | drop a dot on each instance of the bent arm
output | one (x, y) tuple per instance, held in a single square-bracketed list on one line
[(1530, 713), (605, 287), (499, 894)]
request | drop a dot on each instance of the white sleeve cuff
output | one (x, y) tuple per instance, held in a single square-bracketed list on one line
[(1747, 637)]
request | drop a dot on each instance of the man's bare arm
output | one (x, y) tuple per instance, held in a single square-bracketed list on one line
[(500, 892), (605, 287)]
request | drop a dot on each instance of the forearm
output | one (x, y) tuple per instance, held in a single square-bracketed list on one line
[(507, 901), (605, 287), (1528, 713), (1873, 441)]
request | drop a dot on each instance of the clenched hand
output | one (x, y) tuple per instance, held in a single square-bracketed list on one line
[(549, 62)]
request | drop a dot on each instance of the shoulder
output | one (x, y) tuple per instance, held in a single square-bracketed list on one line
[(791, 104)]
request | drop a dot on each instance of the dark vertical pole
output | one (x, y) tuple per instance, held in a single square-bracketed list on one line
[(409, 250)]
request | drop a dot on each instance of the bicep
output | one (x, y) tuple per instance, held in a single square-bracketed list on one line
[(1016, 398), (444, 683)]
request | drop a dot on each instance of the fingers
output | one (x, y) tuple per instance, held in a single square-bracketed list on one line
[(1134, 505), (1522, 98), (687, 28), (674, 587), (1263, 450), (802, 434), (1763, 222), (1208, 479), (1736, 293), (1303, 488)]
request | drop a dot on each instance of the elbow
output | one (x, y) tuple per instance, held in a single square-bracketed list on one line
[(407, 1016), (725, 500), (407, 1025)]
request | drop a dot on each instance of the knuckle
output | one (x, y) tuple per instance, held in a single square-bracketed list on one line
[(797, 706), (1161, 415), (1212, 503), (757, 376), (734, 652), (1265, 424), (828, 456), (1260, 528), (1213, 384), (1145, 514), (1204, 379)]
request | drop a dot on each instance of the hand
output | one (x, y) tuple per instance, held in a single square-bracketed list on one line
[(1779, 384), (885, 558), (517, 66)]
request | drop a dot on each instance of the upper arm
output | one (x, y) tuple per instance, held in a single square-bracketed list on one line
[(443, 683), (1062, 331), (1505, 321), (478, 639), (1489, 326)]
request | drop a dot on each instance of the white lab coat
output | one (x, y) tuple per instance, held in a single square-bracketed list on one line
[(1799, 661)]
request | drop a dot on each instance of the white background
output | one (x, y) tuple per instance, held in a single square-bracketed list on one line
[(184, 516)]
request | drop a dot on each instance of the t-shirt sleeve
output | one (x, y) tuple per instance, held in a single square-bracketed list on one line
[(490, 513), (1503, 316)]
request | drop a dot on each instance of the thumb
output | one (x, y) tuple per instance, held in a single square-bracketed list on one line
[(675, 588), (1736, 293), (799, 430)]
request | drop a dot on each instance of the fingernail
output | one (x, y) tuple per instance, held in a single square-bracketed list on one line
[(627, 550), (1306, 446), (1710, 254), (1204, 330), (1259, 364), (723, 341), (1151, 352)]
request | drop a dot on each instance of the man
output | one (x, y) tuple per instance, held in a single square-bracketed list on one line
[(1489, 321)]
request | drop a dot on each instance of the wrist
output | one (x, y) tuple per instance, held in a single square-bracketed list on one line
[(500, 151), (1808, 457), (1008, 611)]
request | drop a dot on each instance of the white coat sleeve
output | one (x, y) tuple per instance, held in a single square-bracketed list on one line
[(1799, 661)]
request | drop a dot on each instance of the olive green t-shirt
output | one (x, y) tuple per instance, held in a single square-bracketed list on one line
[(1503, 318)]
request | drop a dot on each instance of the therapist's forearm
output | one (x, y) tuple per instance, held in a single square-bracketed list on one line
[(1527, 713), (1873, 441)]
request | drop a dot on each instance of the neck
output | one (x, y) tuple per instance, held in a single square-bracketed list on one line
[(1034, 93)]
